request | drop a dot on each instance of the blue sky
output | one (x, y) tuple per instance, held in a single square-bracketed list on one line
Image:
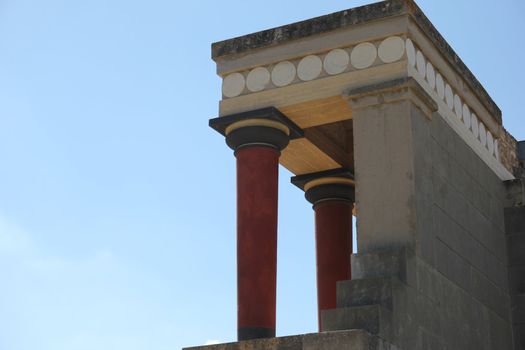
[(117, 202)]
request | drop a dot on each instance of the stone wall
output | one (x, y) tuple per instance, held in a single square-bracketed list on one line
[(461, 237), (404, 300), (461, 225), (446, 286), (515, 229), (507, 151)]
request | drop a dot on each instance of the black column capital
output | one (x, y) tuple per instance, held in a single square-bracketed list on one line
[(335, 184), (261, 127)]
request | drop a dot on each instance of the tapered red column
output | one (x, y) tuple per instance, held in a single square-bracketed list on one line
[(257, 148), (333, 243), (332, 196), (257, 177), (257, 138)]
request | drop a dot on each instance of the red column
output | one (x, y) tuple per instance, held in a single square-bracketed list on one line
[(257, 138), (333, 240), (257, 181), (332, 193)]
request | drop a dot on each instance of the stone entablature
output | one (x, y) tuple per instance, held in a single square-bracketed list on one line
[(311, 67), (362, 56), (283, 68)]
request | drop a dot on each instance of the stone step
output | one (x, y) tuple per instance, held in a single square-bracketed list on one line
[(367, 291), (371, 318), (372, 265), (396, 263)]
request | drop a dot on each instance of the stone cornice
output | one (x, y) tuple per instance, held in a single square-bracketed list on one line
[(303, 29)]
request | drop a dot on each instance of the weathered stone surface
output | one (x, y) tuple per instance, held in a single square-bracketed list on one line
[(369, 317), (461, 261), (515, 230), (516, 248), (517, 279), (489, 294), (303, 29), (519, 336), (521, 151), (514, 193), (348, 339), (398, 265), (361, 292), (430, 310), (518, 308), (508, 151), (514, 220), (450, 264), (380, 162), (373, 265)]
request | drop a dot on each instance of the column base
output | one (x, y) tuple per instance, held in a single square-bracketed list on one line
[(247, 333)]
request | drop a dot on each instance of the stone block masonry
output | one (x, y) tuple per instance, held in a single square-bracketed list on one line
[(450, 286), (350, 339), (414, 306), (515, 229)]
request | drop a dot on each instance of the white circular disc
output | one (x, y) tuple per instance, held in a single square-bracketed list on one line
[(233, 85), (257, 79), (411, 52), (496, 149), (458, 106), (363, 55), (449, 97), (336, 61), (490, 142), (431, 76), (474, 125), (482, 134), (391, 49), (283, 73), (440, 86), (309, 68), (466, 116), (421, 64)]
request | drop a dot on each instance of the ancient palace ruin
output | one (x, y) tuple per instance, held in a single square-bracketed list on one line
[(377, 117)]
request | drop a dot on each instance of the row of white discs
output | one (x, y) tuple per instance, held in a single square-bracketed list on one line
[(436, 82), (310, 67)]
